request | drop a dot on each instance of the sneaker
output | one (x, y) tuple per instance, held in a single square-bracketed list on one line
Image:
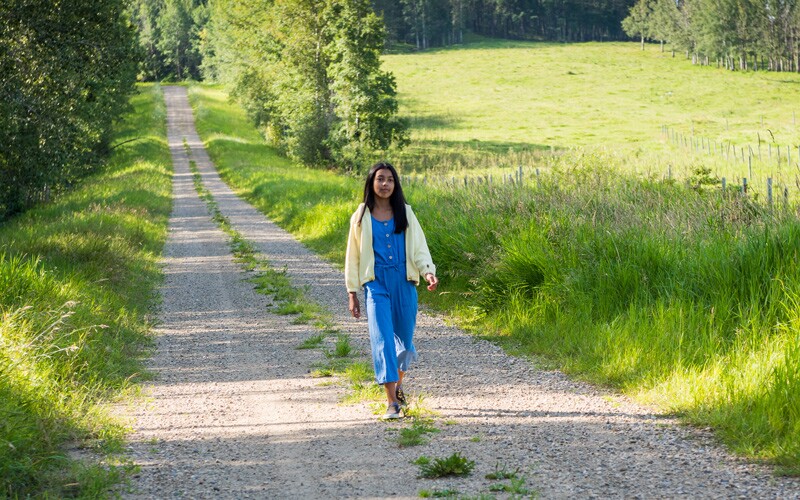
[(392, 412), (400, 396)]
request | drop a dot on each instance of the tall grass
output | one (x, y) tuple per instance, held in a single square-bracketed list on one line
[(680, 296), (77, 281)]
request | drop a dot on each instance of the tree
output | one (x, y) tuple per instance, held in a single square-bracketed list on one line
[(664, 22), (362, 95), (144, 13), (175, 26), (308, 72), (66, 70), (170, 33), (638, 22)]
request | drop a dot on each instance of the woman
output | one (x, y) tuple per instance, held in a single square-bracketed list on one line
[(386, 254)]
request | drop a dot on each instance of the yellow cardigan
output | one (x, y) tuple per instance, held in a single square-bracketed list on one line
[(359, 264)]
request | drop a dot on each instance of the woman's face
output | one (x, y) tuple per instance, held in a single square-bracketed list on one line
[(383, 185)]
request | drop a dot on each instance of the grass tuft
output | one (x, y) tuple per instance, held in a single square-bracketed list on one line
[(313, 342), (515, 486), (446, 493), (415, 435), (454, 465)]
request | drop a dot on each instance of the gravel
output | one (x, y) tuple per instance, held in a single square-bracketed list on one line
[(233, 412)]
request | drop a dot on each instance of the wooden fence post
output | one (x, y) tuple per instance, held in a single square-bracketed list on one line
[(744, 186), (769, 191)]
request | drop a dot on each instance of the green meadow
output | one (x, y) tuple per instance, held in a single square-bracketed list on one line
[(673, 293), (78, 278), (493, 104)]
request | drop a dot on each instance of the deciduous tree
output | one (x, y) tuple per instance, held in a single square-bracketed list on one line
[(639, 21), (66, 70), (308, 72)]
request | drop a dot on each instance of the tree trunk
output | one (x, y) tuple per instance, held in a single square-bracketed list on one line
[(642, 42), (424, 32)]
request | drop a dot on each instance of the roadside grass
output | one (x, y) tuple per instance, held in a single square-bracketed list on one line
[(680, 296), (78, 278)]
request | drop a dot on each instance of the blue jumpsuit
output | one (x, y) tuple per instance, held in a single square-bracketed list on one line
[(391, 304)]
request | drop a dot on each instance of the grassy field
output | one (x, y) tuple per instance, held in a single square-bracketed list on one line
[(681, 297), (518, 100), (77, 283)]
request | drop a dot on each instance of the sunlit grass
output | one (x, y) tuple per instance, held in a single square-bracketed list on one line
[(517, 100), (77, 284)]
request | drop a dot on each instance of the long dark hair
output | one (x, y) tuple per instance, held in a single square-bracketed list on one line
[(397, 200)]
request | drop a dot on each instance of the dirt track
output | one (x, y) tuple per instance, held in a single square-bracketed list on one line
[(234, 414)]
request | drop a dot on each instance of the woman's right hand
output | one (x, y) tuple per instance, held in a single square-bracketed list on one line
[(355, 307)]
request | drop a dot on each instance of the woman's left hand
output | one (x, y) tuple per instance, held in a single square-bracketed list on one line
[(433, 282)]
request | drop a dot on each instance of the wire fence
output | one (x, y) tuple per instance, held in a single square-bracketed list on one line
[(765, 191)]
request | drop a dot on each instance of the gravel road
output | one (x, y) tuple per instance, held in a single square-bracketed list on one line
[(233, 413)]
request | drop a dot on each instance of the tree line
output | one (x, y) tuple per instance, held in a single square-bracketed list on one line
[(429, 23), (175, 38), (735, 34), (171, 34), (66, 70)]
